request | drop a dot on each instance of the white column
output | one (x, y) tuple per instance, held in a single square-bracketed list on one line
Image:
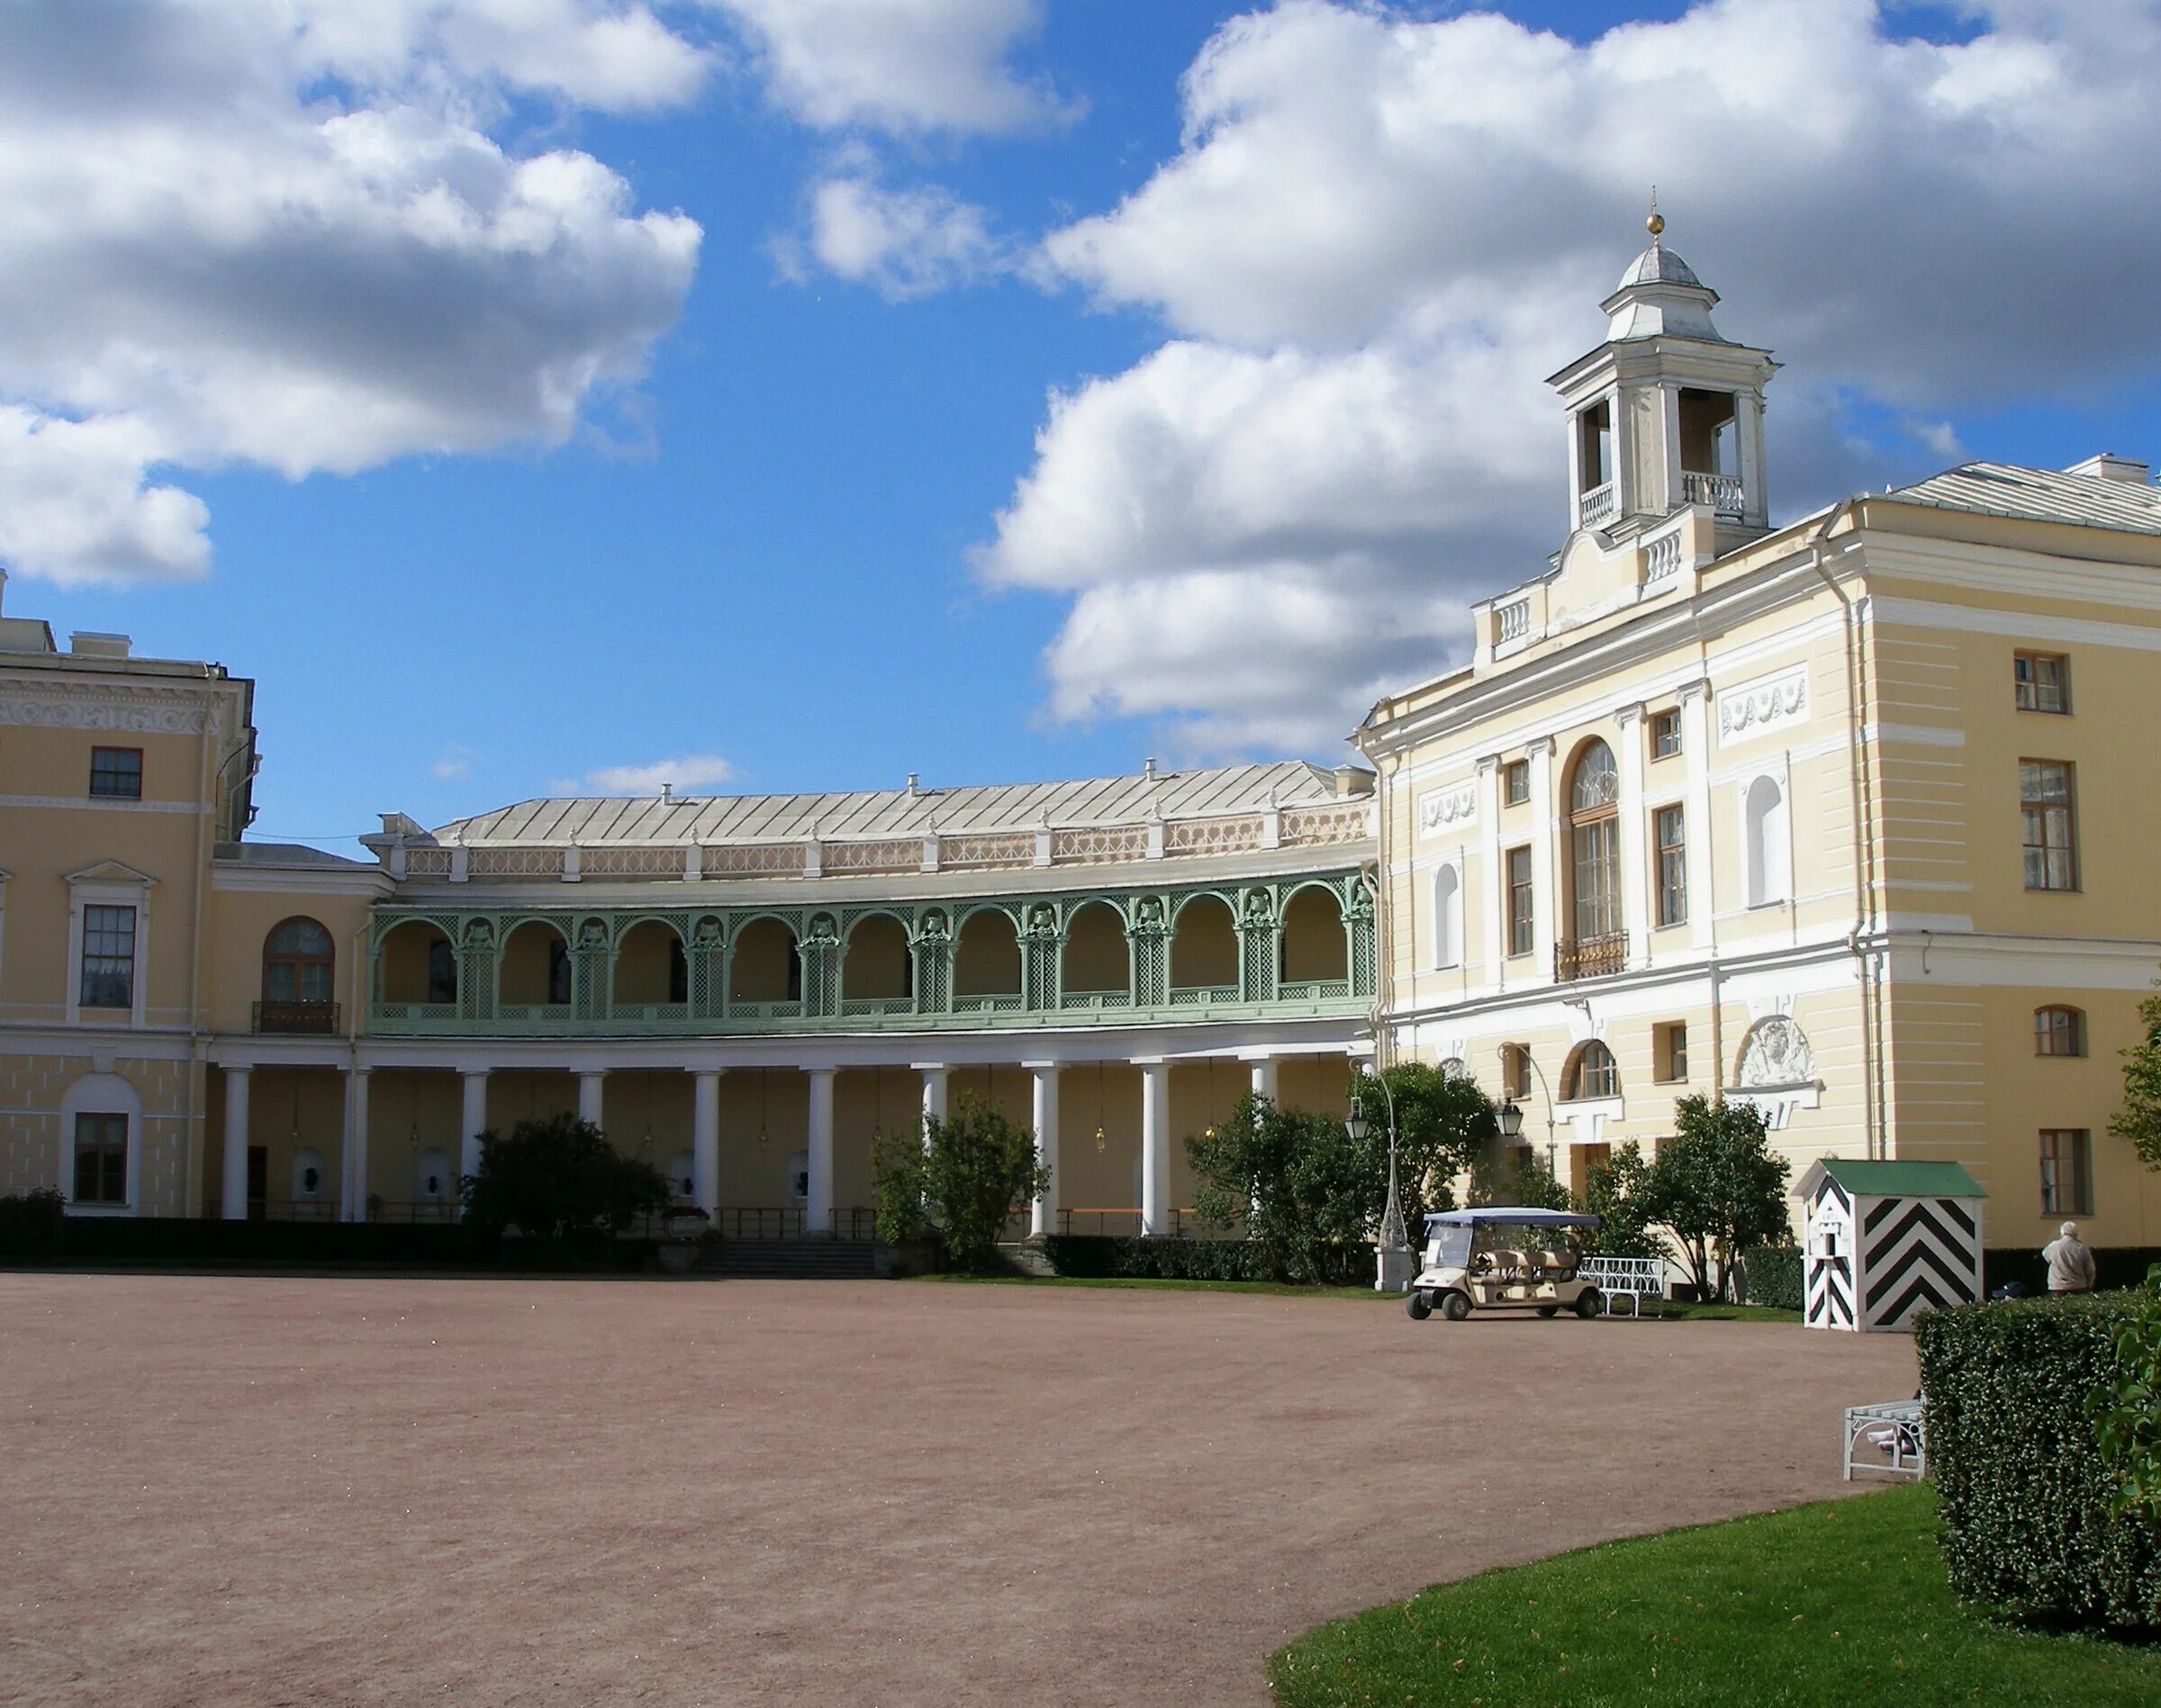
[(936, 1092), (1695, 820), (235, 1206), (591, 1093), (1635, 892), (705, 1139), (353, 1201), (1545, 901), (817, 1208), (1156, 1145), (473, 1120), (1265, 1078), (1042, 1215)]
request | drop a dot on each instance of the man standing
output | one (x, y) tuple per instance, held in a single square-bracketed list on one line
[(2070, 1264)]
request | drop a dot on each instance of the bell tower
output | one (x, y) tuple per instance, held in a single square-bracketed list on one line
[(1668, 412)]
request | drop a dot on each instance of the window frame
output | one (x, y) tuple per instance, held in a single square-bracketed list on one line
[(297, 963), (2075, 1031), (1662, 731), (1596, 911), (1670, 1052), (1669, 889), (2027, 690), (112, 1171), (105, 951), (1515, 1070), (115, 775), (2078, 1199), (1515, 783), (2067, 809), (1590, 1056), (1519, 924)]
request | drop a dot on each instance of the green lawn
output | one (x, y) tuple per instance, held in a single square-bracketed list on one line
[(1834, 1603)]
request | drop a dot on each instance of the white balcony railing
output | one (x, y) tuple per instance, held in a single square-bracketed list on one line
[(1662, 557), (1721, 492), (1512, 621), (1597, 505)]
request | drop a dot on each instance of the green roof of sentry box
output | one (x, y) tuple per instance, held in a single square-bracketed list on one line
[(1902, 1179)]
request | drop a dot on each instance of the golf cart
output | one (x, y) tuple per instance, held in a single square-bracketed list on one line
[(1505, 1257)]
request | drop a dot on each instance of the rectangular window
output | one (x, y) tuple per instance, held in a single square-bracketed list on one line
[(2066, 1172), (116, 772), (1515, 783), (101, 1159), (2052, 836), (1664, 734), (108, 957), (1520, 916), (1516, 1070), (1669, 1049), (1673, 865), (2058, 1031), (2043, 680)]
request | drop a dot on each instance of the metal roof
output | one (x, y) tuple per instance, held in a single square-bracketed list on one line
[(283, 854), (973, 810), (2039, 495), (1895, 1179), (1659, 264)]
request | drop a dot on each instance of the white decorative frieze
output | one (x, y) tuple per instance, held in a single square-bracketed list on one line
[(1755, 706), (135, 711), (1440, 808), (1775, 1053)]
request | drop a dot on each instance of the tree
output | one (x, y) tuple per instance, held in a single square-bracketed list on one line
[(1303, 1190), (1717, 1189), (958, 1178), (2139, 1119), (1443, 1122), (555, 1176), (1616, 1190), (1527, 1182)]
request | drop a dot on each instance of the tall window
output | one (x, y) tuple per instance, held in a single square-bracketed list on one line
[(1594, 842), (1670, 1050), (1673, 866), (2058, 1031), (2051, 836), (101, 1159), (1447, 918), (298, 962), (2041, 682), (1664, 734), (1519, 916), (1515, 783), (442, 972), (1763, 826), (2066, 1172), (1595, 426), (558, 972), (116, 772), (1516, 1070), (1591, 1072), (108, 957)]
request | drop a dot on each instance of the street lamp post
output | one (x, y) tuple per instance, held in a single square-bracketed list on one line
[(1392, 1254), (1510, 1118)]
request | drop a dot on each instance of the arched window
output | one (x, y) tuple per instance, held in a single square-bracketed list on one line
[(2058, 1030), (298, 962), (1591, 1072), (1594, 844), (1764, 833), (1447, 918)]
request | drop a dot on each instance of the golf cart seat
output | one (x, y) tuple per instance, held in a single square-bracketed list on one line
[(1556, 1263), (1510, 1266)]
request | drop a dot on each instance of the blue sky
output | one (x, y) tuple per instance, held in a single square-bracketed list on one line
[(805, 510)]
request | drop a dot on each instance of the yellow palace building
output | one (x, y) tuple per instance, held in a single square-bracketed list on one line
[(1852, 820)]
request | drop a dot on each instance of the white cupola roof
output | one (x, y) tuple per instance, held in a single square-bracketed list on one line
[(1660, 296)]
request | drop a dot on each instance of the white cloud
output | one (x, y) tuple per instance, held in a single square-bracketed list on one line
[(453, 764), (903, 242), (1380, 233), (902, 66), (280, 234), (693, 771)]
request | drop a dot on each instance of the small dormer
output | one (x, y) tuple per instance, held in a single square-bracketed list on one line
[(1668, 412)]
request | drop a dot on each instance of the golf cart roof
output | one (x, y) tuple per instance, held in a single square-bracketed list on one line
[(1511, 1215)]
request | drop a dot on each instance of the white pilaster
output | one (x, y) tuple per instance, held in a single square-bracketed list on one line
[(1695, 821), (1545, 822), (593, 1093), (937, 1080), (1042, 1215), (1494, 940), (705, 1139), (817, 1203), (1155, 1147), (235, 1204), (1265, 1078), (473, 1118), (352, 1204), (1635, 892)]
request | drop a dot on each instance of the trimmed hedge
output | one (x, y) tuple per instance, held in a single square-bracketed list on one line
[(193, 1243), (1775, 1278), (2024, 1494), (33, 1223), (1098, 1257)]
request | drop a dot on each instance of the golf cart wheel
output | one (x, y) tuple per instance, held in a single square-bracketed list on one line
[(1548, 1310), (1587, 1303), (1455, 1307), (1420, 1305)]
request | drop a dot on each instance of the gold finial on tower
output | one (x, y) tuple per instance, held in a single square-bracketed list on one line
[(1656, 224)]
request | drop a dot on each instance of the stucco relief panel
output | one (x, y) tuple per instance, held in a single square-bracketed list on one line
[(1445, 808), (1751, 709)]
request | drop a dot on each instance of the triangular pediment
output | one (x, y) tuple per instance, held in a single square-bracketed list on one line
[(112, 872)]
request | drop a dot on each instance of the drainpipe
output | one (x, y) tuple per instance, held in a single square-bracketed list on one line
[(1859, 941)]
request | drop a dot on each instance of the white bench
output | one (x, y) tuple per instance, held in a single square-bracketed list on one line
[(1894, 1425), (1633, 1279)]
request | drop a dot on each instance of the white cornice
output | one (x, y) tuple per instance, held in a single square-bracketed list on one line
[(367, 881), (123, 707), (98, 803)]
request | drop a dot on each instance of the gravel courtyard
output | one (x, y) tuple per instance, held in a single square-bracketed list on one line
[(266, 1490)]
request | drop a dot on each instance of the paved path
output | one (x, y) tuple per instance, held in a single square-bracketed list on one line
[(261, 1490)]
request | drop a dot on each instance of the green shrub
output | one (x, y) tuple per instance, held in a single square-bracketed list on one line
[(2114, 1266), (955, 1180), (2026, 1497), (32, 1223), (1775, 1278), (1095, 1257)]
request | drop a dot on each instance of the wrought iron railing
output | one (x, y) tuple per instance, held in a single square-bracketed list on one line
[(316, 1017), (1591, 957)]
